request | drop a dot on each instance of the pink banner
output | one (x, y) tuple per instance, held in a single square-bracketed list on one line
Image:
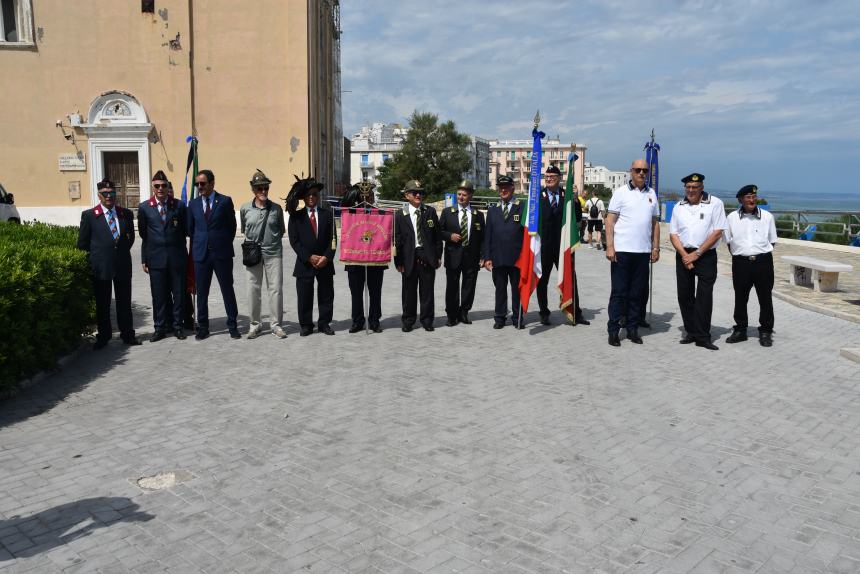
[(365, 238)]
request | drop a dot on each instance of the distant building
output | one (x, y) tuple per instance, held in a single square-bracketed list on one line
[(514, 157), (479, 155), (601, 175)]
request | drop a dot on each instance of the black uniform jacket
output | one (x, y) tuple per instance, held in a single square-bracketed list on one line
[(109, 259)]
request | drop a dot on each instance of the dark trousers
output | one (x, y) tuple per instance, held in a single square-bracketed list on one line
[(356, 277), (122, 292), (305, 300), (502, 278), (643, 306), (629, 276), (223, 269), (459, 299), (420, 283), (747, 274), (543, 284), (696, 298), (168, 297)]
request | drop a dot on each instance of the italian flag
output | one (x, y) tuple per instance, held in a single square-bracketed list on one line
[(529, 261), (569, 242)]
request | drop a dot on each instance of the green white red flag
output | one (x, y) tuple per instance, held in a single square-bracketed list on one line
[(569, 243)]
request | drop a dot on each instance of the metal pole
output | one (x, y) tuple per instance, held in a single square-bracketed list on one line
[(366, 303)]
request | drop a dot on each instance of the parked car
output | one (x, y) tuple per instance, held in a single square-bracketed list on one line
[(8, 211)]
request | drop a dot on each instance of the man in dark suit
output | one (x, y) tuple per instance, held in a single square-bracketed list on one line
[(212, 227), (161, 222), (107, 234), (503, 240), (313, 237), (462, 229), (551, 215), (418, 247)]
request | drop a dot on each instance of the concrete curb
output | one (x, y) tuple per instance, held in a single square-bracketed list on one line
[(815, 308), (850, 353), (42, 375)]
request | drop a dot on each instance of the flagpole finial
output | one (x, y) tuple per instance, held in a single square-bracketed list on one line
[(537, 119), (652, 135)]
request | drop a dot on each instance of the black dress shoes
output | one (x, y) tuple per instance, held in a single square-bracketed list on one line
[(544, 320), (157, 336), (464, 318), (498, 325), (429, 328), (234, 334), (707, 345), (644, 324), (375, 328), (634, 337), (737, 336), (326, 330), (686, 340), (580, 320), (614, 340), (100, 344), (765, 339), (451, 322), (306, 331), (406, 328), (179, 334), (356, 328), (202, 334)]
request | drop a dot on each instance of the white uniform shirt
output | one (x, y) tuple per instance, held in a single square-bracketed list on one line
[(750, 233), (636, 209), (694, 223)]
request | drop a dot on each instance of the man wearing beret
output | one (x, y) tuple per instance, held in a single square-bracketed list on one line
[(212, 227), (418, 253), (503, 240), (551, 212), (698, 222), (313, 237), (751, 235), (107, 234), (462, 228), (161, 223)]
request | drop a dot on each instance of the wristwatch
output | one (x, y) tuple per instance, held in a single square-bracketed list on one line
[(698, 253)]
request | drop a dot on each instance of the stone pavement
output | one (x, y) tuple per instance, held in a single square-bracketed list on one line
[(463, 450)]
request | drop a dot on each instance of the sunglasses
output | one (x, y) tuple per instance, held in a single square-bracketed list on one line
[(159, 186), (201, 183), (261, 188), (639, 170), (108, 193)]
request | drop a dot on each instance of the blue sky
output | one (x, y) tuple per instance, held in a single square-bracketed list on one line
[(753, 91)]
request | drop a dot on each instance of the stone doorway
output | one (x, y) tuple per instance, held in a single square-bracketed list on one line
[(123, 168)]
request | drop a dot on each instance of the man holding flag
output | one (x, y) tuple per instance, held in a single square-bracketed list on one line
[(568, 286)]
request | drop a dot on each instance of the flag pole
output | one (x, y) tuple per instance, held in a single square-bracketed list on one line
[(651, 263)]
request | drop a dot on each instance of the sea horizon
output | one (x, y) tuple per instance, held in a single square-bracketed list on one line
[(843, 201)]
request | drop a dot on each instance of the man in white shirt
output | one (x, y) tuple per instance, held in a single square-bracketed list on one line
[(632, 241), (751, 234), (594, 210), (697, 225)]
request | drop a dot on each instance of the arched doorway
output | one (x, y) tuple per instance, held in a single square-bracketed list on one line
[(118, 132)]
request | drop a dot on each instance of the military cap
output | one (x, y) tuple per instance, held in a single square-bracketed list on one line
[(411, 186), (694, 177), (746, 190), (315, 185), (259, 178), (467, 185), (105, 184), (159, 176), (553, 170), (504, 180)]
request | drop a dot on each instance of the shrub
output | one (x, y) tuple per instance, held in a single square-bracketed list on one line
[(46, 298)]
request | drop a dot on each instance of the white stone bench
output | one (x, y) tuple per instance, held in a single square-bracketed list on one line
[(820, 274)]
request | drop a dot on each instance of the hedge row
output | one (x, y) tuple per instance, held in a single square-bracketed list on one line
[(46, 298)]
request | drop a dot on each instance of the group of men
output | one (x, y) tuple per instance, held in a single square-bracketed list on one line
[(461, 236)]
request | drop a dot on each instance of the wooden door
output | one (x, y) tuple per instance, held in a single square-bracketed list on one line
[(121, 167)]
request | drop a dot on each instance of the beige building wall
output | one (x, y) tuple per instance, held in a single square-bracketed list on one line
[(253, 95)]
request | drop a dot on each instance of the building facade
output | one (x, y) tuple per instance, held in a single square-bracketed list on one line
[(514, 157), (113, 89), (601, 175), (479, 155)]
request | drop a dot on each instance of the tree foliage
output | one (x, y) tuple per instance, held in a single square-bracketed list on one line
[(433, 153)]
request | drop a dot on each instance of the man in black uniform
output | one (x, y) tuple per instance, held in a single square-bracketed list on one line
[(362, 195), (161, 225), (462, 229), (314, 239), (551, 212), (418, 253), (503, 240), (107, 234)]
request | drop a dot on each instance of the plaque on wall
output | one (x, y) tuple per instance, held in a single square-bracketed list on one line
[(74, 190), (73, 162)]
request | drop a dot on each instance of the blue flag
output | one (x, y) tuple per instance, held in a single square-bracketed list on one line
[(534, 183), (652, 151)]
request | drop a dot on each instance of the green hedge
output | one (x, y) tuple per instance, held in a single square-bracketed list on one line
[(46, 298)]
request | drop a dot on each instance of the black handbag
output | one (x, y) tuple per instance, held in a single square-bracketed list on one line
[(252, 251)]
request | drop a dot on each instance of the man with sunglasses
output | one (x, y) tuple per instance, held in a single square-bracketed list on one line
[(212, 227), (418, 253), (632, 241), (161, 223), (262, 220), (751, 235), (698, 222), (107, 234)]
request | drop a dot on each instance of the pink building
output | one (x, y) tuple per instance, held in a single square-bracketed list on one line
[(514, 158)]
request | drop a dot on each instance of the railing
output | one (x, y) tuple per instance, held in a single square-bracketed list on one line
[(809, 223)]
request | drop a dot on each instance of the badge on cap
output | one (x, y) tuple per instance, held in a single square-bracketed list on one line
[(695, 178)]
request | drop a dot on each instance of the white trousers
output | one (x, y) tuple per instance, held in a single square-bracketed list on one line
[(273, 269)]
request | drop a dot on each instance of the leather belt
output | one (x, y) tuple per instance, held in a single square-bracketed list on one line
[(751, 257)]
